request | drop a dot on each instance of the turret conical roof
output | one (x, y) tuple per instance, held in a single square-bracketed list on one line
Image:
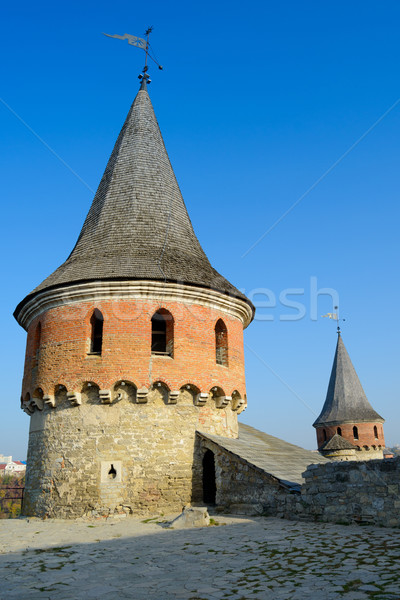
[(138, 227), (346, 401)]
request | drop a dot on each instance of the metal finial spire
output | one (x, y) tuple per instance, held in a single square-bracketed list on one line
[(335, 317), (144, 44)]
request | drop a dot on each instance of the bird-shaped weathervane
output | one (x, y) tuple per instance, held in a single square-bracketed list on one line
[(144, 44), (335, 317)]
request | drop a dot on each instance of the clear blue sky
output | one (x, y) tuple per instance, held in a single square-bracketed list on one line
[(256, 102)]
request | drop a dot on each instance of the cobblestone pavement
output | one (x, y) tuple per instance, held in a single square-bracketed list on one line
[(246, 558)]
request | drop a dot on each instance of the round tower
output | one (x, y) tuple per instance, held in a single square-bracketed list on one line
[(348, 428), (134, 343)]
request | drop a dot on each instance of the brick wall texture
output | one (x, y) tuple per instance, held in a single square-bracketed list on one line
[(366, 434), (125, 456)]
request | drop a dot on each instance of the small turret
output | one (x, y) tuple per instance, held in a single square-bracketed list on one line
[(348, 414)]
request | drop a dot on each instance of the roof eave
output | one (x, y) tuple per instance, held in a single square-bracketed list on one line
[(19, 308)]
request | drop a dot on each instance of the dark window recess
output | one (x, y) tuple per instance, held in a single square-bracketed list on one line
[(376, 432), (158, 333), (324, 434), (355, 433), (162, 333), (209, 485), (339, 431), (96, 322), (112, 473), (221, 343)]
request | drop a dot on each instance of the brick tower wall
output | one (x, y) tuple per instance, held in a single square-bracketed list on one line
[(366, 434), (116, 432)]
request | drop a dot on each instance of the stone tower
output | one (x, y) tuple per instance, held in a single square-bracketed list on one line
[(348, 428), (134, 343)]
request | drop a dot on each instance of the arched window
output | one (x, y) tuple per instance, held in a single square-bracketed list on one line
[(355, 432), (96, 339), (221, 343), (376, 432), (162, 333), (324, 434), (339, 431)]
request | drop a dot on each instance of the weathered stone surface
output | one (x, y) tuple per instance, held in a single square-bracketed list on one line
[(191, 517), (361, 492), (253, 559)]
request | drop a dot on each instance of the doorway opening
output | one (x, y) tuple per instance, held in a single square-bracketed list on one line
[(209, 485)]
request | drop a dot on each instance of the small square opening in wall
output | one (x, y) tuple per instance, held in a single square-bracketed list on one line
[(111, 471)]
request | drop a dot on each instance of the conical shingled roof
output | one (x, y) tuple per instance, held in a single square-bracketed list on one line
[(138, 227), (346, 401)]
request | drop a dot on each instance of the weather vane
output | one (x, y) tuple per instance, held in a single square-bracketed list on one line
[(335, 317), (144, 44)]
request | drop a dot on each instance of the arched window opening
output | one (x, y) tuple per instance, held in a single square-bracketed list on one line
[(376, 432), (221, 343), (209, 485), (162, 333), (96, 340), (355, 432), (339, 431), (324, 434)]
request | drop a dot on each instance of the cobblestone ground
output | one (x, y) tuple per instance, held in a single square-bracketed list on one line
[(242, 558)]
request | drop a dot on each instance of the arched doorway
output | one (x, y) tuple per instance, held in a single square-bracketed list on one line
[(209, 486)]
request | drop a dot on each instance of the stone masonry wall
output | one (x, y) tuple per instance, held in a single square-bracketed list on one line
[(244, 488), (348, 492), (115, 431), (101, 459), (339, 492)]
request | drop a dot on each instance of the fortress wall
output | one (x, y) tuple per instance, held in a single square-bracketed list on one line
[(148, 448), (244, 488), (365, 492), (353, 492), (115, 431)]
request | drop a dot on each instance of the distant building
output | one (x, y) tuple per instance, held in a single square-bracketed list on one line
[(348, 428), (11, 466), (388, 453)]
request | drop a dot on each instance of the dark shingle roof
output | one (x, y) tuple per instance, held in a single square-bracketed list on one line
[(346, 401), (276, 457), (138, 226), (337, 442)]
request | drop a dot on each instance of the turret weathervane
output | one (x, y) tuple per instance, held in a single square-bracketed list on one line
[(144, 44), (335, 317)]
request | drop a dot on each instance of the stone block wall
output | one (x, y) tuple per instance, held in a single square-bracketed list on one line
[(244, 488), (103, 459), (365, 492), (353, 492)]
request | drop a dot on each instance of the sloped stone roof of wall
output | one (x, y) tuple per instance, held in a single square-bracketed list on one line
[(337, 442), (138, 226), (286, 462), (346, 401)]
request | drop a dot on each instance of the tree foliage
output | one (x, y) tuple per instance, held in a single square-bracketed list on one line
[(11, 493)]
